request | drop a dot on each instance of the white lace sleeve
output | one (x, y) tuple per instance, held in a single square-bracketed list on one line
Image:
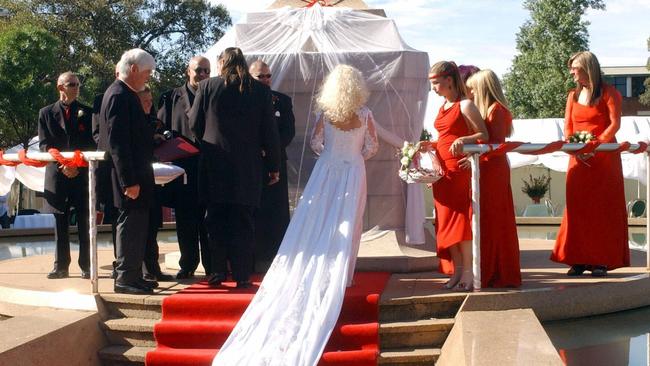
[(317, 136), (370, 143)]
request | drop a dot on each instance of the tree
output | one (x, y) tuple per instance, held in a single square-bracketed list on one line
[(645, 97), (538, 81), (27, 58), (97, 32)]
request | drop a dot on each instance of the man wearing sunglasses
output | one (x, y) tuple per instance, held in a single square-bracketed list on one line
[(272, 218), (66, 125), (173, 110)]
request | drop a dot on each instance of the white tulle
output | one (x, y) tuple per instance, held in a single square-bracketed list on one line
[(297, 305)]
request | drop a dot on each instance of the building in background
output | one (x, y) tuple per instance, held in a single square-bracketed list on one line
[(629, 82)]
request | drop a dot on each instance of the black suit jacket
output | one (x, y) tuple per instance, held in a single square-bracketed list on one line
[(174, 111), (232, 128), (283, 110), (126, 134), (74, 134)]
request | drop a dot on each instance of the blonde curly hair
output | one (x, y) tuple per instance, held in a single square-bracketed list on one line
[(343, 93)]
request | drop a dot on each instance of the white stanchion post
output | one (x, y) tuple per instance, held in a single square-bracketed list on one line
[(92, 227), (476, 221), (647, 219)]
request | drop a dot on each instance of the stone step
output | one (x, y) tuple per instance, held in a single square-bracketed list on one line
[(123, 355), (408, 356), (130, 332), (416, 308), (134, 306), (417, 333)]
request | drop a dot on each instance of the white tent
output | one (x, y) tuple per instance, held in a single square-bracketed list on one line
[(301, 45)]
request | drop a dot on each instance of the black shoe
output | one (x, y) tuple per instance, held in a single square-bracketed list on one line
[(576, 270), (134, 289), (58, 273), (216, 279), (184, 274), (85, 275), (244, 284), (599, 271), (147, 284)]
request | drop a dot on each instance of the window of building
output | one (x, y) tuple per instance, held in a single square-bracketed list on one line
[(637, 85), (620, 82)]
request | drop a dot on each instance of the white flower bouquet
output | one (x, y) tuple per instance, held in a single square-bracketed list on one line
[(418, 165), (581, 137)]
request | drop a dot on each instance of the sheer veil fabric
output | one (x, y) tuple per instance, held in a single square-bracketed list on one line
[(291, 317)]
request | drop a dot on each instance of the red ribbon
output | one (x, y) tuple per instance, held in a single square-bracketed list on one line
[(7, 162), (623, 147), (590, 146), (643, 147), (502, 149), (76, 161), (22, 155)]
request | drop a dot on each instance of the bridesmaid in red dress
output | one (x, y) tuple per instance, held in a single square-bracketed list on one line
[(593, 235), (499, 243), (459, 122)]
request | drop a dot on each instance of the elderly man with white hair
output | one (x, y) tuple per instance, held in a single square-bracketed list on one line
[(128, 139)]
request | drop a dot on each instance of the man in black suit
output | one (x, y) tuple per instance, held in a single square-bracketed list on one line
[(66, 126), (174, 108), (232, 118), (125, 131), (272, 219)]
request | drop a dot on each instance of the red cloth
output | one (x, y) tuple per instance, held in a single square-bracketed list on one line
[(197, 321), (594, 226), (175, 149), (499, 244), (452, 193)]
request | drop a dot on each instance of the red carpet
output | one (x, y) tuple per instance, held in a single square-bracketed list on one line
[(196, 322)]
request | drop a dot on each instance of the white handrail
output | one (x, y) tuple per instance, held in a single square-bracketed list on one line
[(92, 157), (478, 149)]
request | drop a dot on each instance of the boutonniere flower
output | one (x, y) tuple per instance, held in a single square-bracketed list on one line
[(80, 113), (274, 98), (82, 127)]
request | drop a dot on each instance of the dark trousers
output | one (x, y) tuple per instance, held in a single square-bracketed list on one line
[(62, 237), (151, 254), (192, 235), (231, 233), (131, 237)]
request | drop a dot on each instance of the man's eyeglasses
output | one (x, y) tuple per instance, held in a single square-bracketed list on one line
[(264, 76), (199, 70), (71, 85)]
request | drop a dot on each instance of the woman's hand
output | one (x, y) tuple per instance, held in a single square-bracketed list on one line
[(465, 162), (456, 148)]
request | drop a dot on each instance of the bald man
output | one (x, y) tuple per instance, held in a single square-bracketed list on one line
[(272, 219), (66, 125), (173, 111)]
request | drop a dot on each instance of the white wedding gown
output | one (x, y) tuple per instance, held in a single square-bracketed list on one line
[(291, 317)]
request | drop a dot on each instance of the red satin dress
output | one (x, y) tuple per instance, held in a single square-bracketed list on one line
[(594, 226), (452, 193), (499, 242)]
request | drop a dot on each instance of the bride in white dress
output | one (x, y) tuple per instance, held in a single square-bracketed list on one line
[(291, 317)]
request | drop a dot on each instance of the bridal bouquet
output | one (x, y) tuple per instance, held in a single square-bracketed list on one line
[(581, 137), (417, 166)]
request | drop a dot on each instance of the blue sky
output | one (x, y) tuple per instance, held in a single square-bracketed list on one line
[(483, 32)]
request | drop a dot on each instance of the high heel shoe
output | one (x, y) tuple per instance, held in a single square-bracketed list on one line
[(466, 284), (464, 287), (453, 280)]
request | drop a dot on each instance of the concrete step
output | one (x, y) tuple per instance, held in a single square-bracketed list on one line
[(134, 306), (130, 332), (123, 355), (417, 333), (416, 308), (408, 356)]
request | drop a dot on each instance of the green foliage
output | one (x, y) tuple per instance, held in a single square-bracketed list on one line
[(538, 81), (645, 97), (27, 58), (97, 32), (536, 187)]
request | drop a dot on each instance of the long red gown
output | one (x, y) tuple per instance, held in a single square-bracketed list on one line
[(452, 193), (499, 243), (594, 226)]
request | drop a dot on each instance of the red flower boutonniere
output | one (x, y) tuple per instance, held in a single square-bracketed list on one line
[(82, 128)]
